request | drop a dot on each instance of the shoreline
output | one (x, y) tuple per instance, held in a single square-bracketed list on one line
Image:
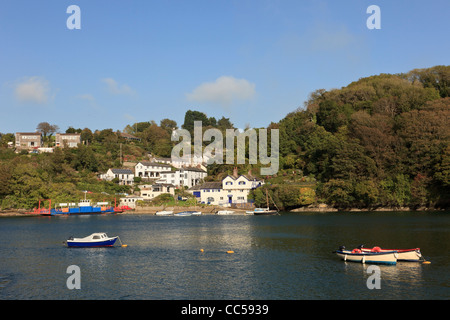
[(211, 210)]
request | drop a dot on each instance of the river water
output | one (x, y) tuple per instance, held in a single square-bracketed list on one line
[(286, 257)]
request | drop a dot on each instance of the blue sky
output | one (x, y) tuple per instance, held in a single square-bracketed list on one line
[(252, 61)]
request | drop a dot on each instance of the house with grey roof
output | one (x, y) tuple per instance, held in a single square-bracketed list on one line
[(125, 176), (232, 190), (183, 177), (151, 170)]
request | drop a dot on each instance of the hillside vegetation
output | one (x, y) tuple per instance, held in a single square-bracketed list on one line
[(381, 141)]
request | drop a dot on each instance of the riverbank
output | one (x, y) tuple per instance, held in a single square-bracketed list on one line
[(176, 209), (211, 210), (326, 208), (140, 210)]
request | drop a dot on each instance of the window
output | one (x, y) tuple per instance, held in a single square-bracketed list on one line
[(241, 182), (229, 183)]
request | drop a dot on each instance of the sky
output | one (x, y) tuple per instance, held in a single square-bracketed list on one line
[(253, 61)]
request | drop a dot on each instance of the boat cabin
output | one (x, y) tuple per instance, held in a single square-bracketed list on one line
[(99, 236)]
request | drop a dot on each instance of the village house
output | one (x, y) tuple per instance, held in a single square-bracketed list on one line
[(70, 140), (125, 176), (151, 170), (230, 191), (151, 191), (184, 177), (130, 201), (28, 141)]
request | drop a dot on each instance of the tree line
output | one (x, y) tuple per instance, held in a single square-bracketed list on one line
[(381, 141)]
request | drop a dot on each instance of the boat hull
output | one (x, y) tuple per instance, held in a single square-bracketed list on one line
[(78, 211), (91, 244), (187, 213), (405, 255), (224, 212), (388, 257), (164, 213), (265, 213)]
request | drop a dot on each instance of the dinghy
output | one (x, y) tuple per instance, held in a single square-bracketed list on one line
[(411, 255), (357, 255), (224, 212), (164, 213), (187, 213)]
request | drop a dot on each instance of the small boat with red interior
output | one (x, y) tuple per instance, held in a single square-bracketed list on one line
[(412, 255)]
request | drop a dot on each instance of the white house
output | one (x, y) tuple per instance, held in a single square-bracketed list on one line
[(125, 176), (231, 190), (148, 192), (130, 201), (183, 177), (151, 170)]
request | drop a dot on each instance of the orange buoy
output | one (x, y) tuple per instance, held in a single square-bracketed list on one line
[(230, 251)]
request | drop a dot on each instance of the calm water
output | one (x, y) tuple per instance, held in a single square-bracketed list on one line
[(280, 257)]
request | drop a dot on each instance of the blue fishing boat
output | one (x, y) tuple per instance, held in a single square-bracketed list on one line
[(82, 207), (95, 240)]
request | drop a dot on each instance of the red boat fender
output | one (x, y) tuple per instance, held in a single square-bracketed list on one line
[(376, 249), (356, 251)]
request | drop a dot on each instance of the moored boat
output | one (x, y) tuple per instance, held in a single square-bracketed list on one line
[(164, 213), (84, 207), (411, 255), (94, 240), (224, 212), (187, 213), (357, 255), (263, 212)]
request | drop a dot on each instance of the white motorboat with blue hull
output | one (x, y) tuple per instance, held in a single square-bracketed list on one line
[(95, 240)]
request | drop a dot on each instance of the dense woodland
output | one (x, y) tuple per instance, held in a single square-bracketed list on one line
[(381, 141)]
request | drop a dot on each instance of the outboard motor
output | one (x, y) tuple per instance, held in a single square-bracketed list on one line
[(341, 248)]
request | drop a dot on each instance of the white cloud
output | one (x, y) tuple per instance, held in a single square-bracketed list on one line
[(33, 89), (223, 90), (115, 88)]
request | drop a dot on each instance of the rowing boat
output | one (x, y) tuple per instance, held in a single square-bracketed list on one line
[(357, 255), (411, 255)]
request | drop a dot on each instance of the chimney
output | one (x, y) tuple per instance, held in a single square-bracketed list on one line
[(250, 172), (235, 172)]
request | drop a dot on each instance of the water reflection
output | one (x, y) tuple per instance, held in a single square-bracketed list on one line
[(283, 257)]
